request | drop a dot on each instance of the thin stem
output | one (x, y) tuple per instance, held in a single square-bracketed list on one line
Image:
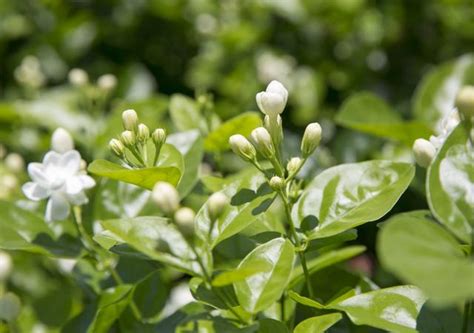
[(282, 309), (277, 165), (467, 314), (137, 155), (297, 243)]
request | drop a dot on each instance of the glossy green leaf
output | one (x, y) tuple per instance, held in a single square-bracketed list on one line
[(111, 304), (146, 177), (185, 113), (259, 291), (318, 324), (190, 145), (420, 251), (325, 260), (305, 300), (435, 95), (348, 195), (368, 113), (26, 231), (249, 195), (393, 309), (218, 297), (238, 274), (150, 295), (449, 184), (155, 237), (268, 325), (218, 140)]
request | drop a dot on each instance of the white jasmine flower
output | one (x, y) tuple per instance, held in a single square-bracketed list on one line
[(60, 179), (61, 141), (448, 123), (107, 82), (273, 100)]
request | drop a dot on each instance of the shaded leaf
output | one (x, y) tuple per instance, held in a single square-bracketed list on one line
[(318, 324)]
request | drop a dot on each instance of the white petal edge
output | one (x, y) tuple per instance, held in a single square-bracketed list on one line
[(34, 191), (57, 208)]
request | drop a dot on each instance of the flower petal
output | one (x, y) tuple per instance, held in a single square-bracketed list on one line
[(78, 199), (37, 174), (73, 185), (57, 208), (51, 157), (87, 181), (70, 162), (34, 191)]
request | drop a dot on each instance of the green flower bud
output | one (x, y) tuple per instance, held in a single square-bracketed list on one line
[(294, 165), (158, 136), (277, 183), (117, 147), (311, 139), (143, 133), (465, 101), (184, 219), (216, 205), (263, 142), (424, 152), (130, 120), (166, 197), (242, 147), (128, 138)]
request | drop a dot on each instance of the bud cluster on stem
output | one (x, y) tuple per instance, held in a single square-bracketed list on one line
[(132, 145)]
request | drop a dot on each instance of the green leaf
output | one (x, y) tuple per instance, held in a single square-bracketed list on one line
[(348, 195), (305, 300), (218, 140), (185, 114), (10, 307), (436, 93), (419, 251), (26, 231), (218, 297), (450, 179), (111, 304), (150, 295), (367, 113), (238, 274), (325, 260), (318, 324), (259, 291), (155, 237), (190, 145), (393, 309), (268, 325), (146, 177), (249, 195)]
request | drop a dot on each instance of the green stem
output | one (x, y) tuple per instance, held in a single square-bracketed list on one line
[(282, 309), (297, 243), (467, 315), (277, 165)]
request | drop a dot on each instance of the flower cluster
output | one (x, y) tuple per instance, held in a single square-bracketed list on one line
[(266, 141), (79, 78), (60, 178), (132, 144)]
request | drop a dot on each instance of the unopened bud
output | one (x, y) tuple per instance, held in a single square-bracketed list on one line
[(184, 218), (216, 205), (277, 183), (6, 266), (166, 197), (158, 136), (465, 102), (61, 141), (83, 165), (78, 77), (424, 152), (14, 162), (272, 101), (263, 142), (107, 82), (143, 133), (242, 147), (130, 120), (294, 165), (128, 138), (117, 147), (311, 139)]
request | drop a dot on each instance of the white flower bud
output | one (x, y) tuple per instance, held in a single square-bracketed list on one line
[(184, 218), (216, 205), (83, 165), (311, 139), (166, 197), (424, 152), (117, 147), (143, 133), (61, 141), (6, 265), (263, 142), (14, 162), (277, 183), (128, 138), (465, 101), (273, 100), (242, 147), (158, 136), (107, 82), (294, 165), (130, 120), (78, 77)]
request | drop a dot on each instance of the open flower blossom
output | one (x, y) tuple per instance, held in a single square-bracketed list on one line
[(273, 100), (60, 179)]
